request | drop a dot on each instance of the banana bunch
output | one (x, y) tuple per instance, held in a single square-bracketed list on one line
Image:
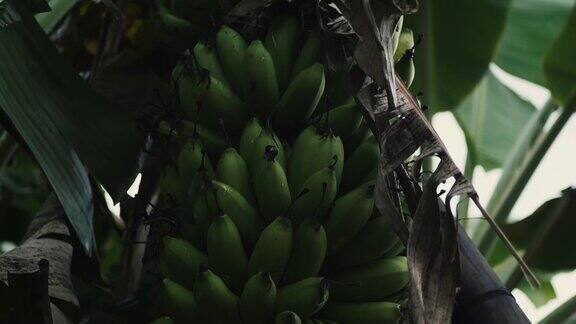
[(279, 222)]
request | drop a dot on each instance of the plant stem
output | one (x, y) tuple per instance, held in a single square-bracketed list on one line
[(462, 211), (526, 141), (519, 177), (562, 313), (543, 232)]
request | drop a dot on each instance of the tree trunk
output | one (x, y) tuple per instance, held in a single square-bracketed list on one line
[(482, 298)]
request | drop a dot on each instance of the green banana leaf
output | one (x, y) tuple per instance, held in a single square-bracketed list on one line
[(492, 118), (524, 42), (460, 38), (60, 8), (66, 125), (556, 252), (560, 64)]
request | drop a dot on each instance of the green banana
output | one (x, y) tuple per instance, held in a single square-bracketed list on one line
[(258, 299), (204, 212), (163, 320), (192, 157), (301, 97), (178, 73), (191, 233), (226, 254), (213, 142), (309, 54), (233, 170), (261, 83), (219, 106), (404, 57), (315, 196), (314, 149), (360, 164), (362, 313), (305, 297), (231, 203), (270, 185), (251, 131), (375, 239), (357, 138), (371, 282), (170, 186), (216, 303), (207, 58), (177, 302), (266, 138), (231, 50), (282, 43), (180, 261), (308, 252), (344, 120), (348, 216), (287, 317), (406, 69), (405, 43), (272, 250), (175, 24), (394, 251)]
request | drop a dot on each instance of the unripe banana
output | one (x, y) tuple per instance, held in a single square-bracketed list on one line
[(375, 239), (251, 131), (231, 203), (348, 216), (314, 149), (233, 170), (226, 254), (299, 101), (214, 143), (177, 302), (163, 320), (191, 233), (216, 303), (406, 69), (266, 138), (190, 88), (173, 23), (308, 252), (219, 106), (357, 138), (309, 54), (394, 251), (180, 261), (169, 183), (262, 91), (305, 297), (360, 164), (362, 313), (258, 299), (282, 43), (231, 50), (371, 282), (287, 317), (315, 197), (405, 43), (270, 185), (272, 250), (344, 120), (192, 156), (207, 58), (178, 72)]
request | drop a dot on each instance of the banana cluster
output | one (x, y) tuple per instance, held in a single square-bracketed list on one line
[(282, 228)]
